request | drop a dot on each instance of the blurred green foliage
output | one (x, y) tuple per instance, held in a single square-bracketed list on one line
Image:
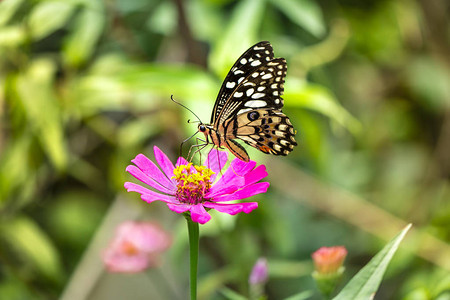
[(85, 85)]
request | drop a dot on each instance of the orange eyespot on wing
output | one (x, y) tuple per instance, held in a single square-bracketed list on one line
[(264, 148)]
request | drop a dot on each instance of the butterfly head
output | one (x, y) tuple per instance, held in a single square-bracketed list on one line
[(202, 128)]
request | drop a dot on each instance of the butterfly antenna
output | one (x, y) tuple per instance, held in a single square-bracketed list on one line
[(182, 105)]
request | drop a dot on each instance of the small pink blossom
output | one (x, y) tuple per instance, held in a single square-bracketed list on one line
[(259, 273), (328, 260), (196, 189), (136, 247)]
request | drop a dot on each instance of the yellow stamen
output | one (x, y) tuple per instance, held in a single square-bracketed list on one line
[(192, 182)]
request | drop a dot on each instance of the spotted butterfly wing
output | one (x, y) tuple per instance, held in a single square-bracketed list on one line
[(248, 106)]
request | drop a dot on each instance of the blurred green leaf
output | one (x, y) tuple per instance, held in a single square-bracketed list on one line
[(14, 166), (165, 80), (232, 295), (74, 216), (305, 13), (33, 246), (12, 36), (164, 18), (7, 9), (36, 93), (430, 81), (365, 283), (49, 16), (87, 30), (315, 97), (13, 288), (301, 296), (238, 35)]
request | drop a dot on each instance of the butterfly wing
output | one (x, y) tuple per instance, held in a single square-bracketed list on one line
[(249, 104), (269, 131), (261, 88), (261, 52)]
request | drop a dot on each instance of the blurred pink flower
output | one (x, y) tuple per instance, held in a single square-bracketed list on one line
[(189, 188), (136, 247), (328, 260), (259, 273)]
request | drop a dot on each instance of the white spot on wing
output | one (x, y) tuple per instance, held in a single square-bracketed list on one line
[(261, 88), (267, 76), (238, 72), (258, 48), (243, 61), (255, 63), (244, 110), (240, 79), (249, 92), (230, 84), (277, 101), (258, 95), (238, 94), (255, 103), (255, 74)]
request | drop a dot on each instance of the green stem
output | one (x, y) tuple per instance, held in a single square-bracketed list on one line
[(193, 255)]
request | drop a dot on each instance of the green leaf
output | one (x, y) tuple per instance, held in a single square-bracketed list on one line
[(12, 36), (231, 295), (14, 167), (240, 33), (366, 282), (36, 94), (301, 296), (32, 245), (305, 13), (7, 10), (315, 97), (88, 27), (48, 17)]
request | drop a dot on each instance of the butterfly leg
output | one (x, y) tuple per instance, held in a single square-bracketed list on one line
[(199, 146)]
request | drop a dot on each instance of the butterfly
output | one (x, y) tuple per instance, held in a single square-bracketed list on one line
[(248, 106)]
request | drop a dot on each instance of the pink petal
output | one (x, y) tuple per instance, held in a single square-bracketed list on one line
[(215, 192), (199, 214), (141, 176), (178, 207), (133, 187), (248, 191), (234, 208), (216, 161), (150, 169), (241, 167), (153, 196), (229, 178), (181, 161), (119, 262), (256, 175), (165, 163)]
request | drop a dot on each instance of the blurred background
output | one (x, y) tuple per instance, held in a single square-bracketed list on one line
[(85, 86)]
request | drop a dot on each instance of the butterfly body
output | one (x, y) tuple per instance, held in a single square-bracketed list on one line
[(248, 106)]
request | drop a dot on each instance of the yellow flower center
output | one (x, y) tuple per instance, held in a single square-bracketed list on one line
[(192, 182)]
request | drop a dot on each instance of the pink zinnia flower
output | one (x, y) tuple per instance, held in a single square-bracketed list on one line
[(195, 189), (328, 260), (136, 247)]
